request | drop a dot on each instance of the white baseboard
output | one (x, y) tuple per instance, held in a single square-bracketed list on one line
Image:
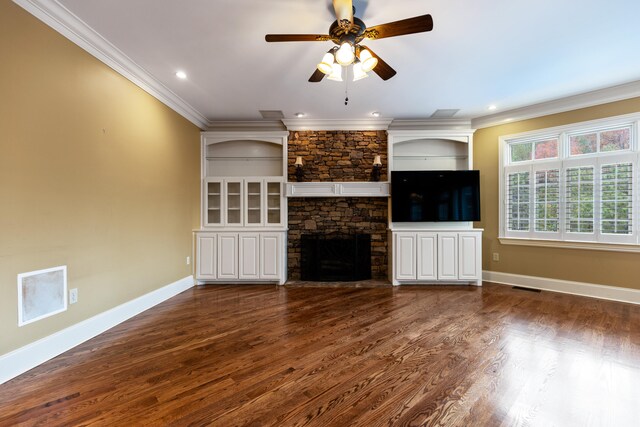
[(28, 357), (612, 293)]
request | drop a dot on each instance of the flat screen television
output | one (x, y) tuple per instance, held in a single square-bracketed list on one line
[(433, 196)]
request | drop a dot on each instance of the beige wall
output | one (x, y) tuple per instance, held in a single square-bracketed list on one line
[(95, 174), (606, 268)]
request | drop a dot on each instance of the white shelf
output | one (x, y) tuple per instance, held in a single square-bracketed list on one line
[(337, 189)]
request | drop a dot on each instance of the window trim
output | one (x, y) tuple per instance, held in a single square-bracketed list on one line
[(533, 238)]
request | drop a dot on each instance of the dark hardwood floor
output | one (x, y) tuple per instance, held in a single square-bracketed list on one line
[(347, 356)]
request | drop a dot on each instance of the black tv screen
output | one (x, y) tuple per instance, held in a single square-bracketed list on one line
[(433, 196)]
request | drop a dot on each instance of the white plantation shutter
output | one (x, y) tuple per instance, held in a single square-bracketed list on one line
[(616, 203), (546, 200), (580, 182), (518, 201), (599, 195), (617, 193)]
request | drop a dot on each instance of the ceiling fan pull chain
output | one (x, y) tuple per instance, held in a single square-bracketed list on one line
[(346, 88)]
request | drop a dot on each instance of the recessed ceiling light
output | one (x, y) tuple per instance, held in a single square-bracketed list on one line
[(508, 120), (491, 107), (299, 115), (375, 114), (181, 75)]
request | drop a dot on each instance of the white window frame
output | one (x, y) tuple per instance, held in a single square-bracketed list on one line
[(580, 162), (627, 157), (597, 241), (517, 168), (544, 166)]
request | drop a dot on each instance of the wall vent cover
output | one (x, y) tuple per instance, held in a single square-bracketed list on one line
[(272, 114), (41, 294), (445, 113)]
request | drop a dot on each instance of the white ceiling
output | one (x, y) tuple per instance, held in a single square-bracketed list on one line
[(511, 53)]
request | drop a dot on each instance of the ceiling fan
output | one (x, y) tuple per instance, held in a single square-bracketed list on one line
[(347, 31)]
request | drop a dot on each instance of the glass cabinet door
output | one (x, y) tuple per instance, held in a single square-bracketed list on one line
[(274, 203), (213, 214), (253, 202), (234, 202)]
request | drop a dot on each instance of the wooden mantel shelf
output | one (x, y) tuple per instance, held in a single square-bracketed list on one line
[(337, 189)]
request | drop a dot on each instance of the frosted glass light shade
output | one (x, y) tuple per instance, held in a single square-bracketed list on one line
[(326, 66), (336, 73), (345, 54), (367, 60), (358, 73)]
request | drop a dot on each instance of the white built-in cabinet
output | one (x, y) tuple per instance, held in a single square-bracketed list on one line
[(433, 252), (243, 202), (243, 233), (443, 256), (241, 256)]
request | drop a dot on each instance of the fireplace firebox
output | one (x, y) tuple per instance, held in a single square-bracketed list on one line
[(335, 258)]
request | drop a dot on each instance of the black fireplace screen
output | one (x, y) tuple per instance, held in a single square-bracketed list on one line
[(330, 258)]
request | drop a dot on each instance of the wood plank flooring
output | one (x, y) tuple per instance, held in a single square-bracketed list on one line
[(249, 355)]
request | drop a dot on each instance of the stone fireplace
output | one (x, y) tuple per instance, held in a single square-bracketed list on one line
[(345, 156)]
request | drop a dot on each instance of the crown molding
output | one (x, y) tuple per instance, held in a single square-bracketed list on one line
[(561, 105), (430, 133), (56, 16), (431, 124), (338, 124), (244, 125)]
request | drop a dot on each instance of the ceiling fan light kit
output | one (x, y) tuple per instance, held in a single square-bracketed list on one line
[(367, 60), (358, 72), (326, 65), (347, 31), (336, 73), (345, 55)]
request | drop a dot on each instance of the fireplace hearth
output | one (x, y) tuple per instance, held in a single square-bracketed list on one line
[(335, 258)]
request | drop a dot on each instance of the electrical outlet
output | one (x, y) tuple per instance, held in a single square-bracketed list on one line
[(188, 260), (73, 296), (496, 256)]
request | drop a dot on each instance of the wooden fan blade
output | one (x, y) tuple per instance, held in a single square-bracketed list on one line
[(344, 12), (382, 69), (297, 37), (317, 76), (418, 24)]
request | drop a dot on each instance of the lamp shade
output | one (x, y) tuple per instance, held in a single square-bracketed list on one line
[(336, 73), (376, 161), (345, 54), (298, 161), (358, 73), (326, 66), (368, 61)]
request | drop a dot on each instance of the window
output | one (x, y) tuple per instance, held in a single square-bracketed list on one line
[(616, 197), (575, 183), (580, 199), (547, 200), (518, 215), (523, 151)]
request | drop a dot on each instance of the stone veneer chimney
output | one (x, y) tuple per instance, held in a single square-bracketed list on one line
[(338, 156)]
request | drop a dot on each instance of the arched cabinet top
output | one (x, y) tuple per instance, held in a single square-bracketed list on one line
[(430, 149), (400, 136), (273, 137), (261, 153)]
